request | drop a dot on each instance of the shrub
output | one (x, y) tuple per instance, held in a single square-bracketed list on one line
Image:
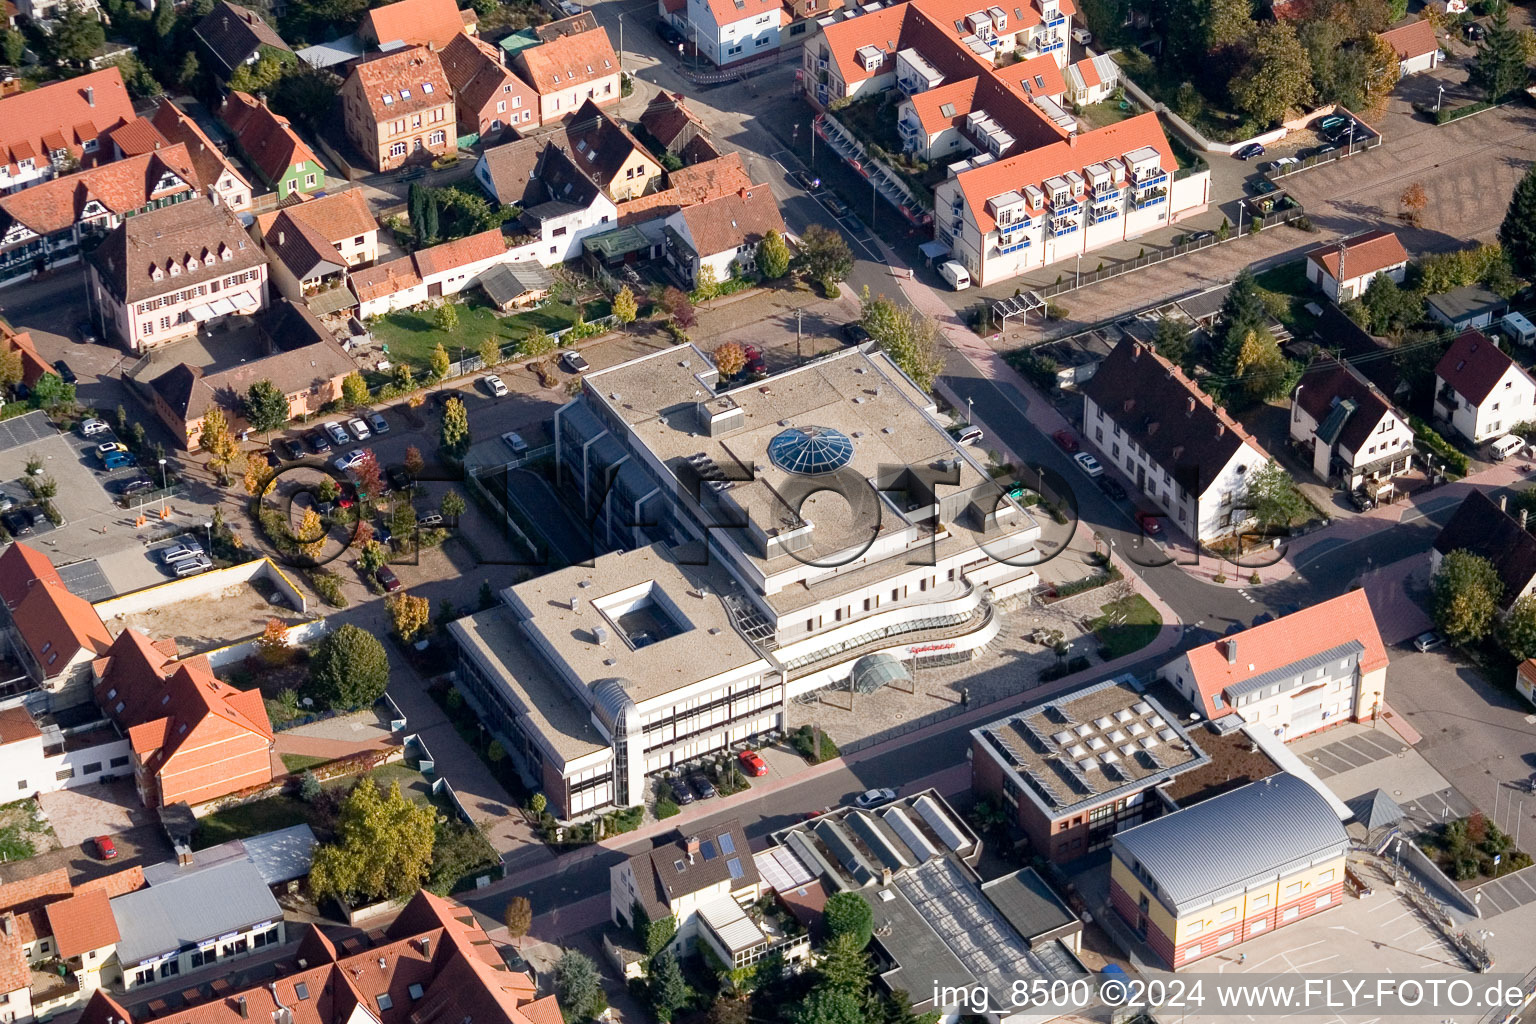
[(328, 586)]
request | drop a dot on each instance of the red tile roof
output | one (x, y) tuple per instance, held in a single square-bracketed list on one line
[(412, 79), (1036, 165), (1412, 40), (1286, 641), (460, 253), (22, 566), (1089, 72), (338, 217), (33, 365), (475, 72), (413, 22), (16, 725), (73, 111), (728, 12), (383, 279), (739, 218), (568, 61), (667, 115), (137, 137), (1364, 254), (56, 625), (1473, 365), (1030, 74), (82, 922), (118, 188), (210, 162), (266, 138), (688, 186)]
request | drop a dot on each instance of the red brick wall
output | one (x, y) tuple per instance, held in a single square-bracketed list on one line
[(226, 766)]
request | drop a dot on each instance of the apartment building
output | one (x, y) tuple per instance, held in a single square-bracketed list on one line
[(399, 107), (568, 71), (1186, 455), (596, 676), (164, 274), (950, 119), (487, 97), (1353, 432), (1205, 879), (60, 127), (1306, 671)]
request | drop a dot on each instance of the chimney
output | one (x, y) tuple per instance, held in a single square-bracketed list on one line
[(280, 238), (885, 876), (691, 844), (245, 1011), (1524, 514), (1231, 643), (1503, 503), (90, 95), (8, 924), (426, 945)]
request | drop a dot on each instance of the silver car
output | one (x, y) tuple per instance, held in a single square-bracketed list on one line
[(180, 552)]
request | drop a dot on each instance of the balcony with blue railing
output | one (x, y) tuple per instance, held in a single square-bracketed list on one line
[(1049, 45), (1062, 225), (1102, 212), (1060, 19), (1152, 198), (1150, 177)]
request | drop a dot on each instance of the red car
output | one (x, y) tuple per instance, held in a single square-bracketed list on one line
[(104, 848), (1150, 523), (387, 579), (756, 364), (1065, 441), (752, 764)]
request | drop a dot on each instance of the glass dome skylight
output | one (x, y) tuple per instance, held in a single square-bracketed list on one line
[(810, 451)]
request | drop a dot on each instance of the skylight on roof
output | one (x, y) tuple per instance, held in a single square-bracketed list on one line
[(301, 990), (426, 87), (416, 991), (405, 94), (384, 1001), (388, 99), (727, 844)]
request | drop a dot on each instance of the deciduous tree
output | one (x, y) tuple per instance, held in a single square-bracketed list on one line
[(349, 668), (1466, 590), (625, 308), (706, 282), (218, 442), (373, 557), (354, 390), (310, 533), (50, 392), (370, 481), (452, 505), (272, 644), (535, 343), (413, 461), (1277, 78), (773, 255), (438, 360), (848, 913), (490, 353), (77, 35), (824, 254), (907, 336), (1413, 200), (518, 917), (1271, 496), (382, 851), (266, 407), (11, 371), (679, 307), (455, 428), (1518, 630), (826, 1005), (447, 319), (408, 614), (730, 358)]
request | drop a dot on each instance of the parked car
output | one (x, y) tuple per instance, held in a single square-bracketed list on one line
[(702, 787), (1324, 150), (90, 428), (1111, 488), (379, 424), (512, 439), (1329, 123), (65, 373), (836, 205), (387, 579), (180, 551), (85, 331), (108, 448), (1065, 441), (494, 385), (105, 849), (337, 433), (669, 35), (854, 333), (272, 459), (756, 365), (1150, 522), (134, 486), (752, 763), (429, 519), (1285, 164), (1088, 464), (681, 794), (116, 460), (346, 460), (192, 566), (317, 443), (397, 478), (290, 448), (359, 429), (871, 797), (806, 180), (17, 522), (1361, 500), (1082, 37), (1425, 642), (1200, 236), (969, 435), (574, 362), (1249, 151)]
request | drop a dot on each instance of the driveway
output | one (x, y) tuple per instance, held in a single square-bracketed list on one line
[(101, 809)]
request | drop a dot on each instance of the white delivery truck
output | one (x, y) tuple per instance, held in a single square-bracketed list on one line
[(958, 277)]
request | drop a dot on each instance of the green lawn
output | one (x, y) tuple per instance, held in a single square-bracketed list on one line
[(253, 819), (412, 335), (1289, 282), (1102, 115), (1127, 625), (298, 762)]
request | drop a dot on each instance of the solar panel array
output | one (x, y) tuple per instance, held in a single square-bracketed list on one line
[(979, 937)]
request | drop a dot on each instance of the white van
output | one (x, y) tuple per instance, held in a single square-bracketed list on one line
[(958, 277), (1520, 330), (1505, 446)]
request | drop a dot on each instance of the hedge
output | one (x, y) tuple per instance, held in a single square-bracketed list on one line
[(1454, 459)]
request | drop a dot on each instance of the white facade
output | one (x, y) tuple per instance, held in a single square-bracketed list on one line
[(733, 41), (1512, 400), (1390, 438), (1210, 514), (623, 892), (1351, 287), (562, 102), (560, 235)]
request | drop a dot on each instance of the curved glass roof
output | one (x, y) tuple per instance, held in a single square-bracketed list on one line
[(810, 450), (876, 670)]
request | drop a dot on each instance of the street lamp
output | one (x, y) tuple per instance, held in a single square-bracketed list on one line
[(162, 486), (970, 410), (621, 45)]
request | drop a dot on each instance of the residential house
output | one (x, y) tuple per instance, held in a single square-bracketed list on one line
[(161, 275), (1350, 427), (58, 128), (33, 365), (686, 186), (193, 738), (135, 138), (727, 32), (1470, 306), (433, 962), (399, 107), (914, 859), (1015, 763), (1292, 676), (53, 634), (679, 876), (1479, 390), (1416, 47), (951, 119), (1207, 878), (722, 234), (47, 10), (308, 367), (49, 224), (568, 71), (668, 120), (414, 23), (487, 97), (315, 243), (802, 18), (37, 755), (1345, 269), (1156, 426), (270, 145), (1486, 529), (235, 36), (214, 170), (560, 205), (438, 272), (1092, 80), (607, 153)]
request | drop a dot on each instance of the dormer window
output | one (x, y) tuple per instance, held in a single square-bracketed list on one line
[(156, 273), (192, 264), (175, 269)]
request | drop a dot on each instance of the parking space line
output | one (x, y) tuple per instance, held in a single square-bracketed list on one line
[(1488, 898)]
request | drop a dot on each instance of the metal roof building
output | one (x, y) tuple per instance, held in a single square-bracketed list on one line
[(1216, 849), (193, 910)]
